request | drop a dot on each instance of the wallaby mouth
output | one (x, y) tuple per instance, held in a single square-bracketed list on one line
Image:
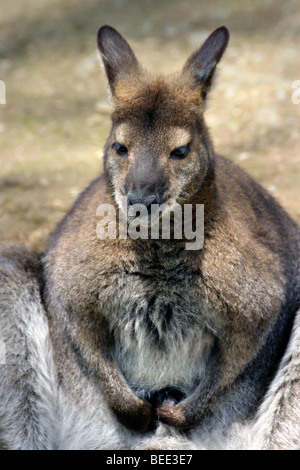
[(145, 201), (141, 197), (139, 205), (145, 207), (145, 214)]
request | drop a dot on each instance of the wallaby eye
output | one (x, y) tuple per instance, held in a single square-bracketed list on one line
[(180, 152), (121, 149)]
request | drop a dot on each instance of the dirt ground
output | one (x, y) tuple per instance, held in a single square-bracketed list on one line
[(56, 119)]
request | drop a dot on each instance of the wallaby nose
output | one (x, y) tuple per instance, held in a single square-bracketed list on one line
[(141, 197)]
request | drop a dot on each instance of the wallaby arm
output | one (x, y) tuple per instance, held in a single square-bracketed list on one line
[(132, 412), (235, 350)]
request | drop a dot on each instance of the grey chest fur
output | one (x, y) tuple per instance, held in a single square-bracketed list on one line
[(160, 328)]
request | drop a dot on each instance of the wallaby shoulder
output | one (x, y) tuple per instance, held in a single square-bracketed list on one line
[(84, 208)]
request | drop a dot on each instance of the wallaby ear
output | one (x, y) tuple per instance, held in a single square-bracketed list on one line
[(201, 65), (117, 56)]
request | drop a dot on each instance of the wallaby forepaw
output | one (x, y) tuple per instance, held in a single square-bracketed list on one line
[(138, 418), (172, 415)]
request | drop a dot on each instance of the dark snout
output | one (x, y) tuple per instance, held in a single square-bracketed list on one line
[(146, 184), (147, 196), (142, 196)]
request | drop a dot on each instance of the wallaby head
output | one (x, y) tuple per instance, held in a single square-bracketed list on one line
[(159, 150)]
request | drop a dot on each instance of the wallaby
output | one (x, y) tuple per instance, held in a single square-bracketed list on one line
[(145, 332)]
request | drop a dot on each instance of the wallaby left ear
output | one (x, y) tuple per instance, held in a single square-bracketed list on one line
[(117, 56), (202, 64)]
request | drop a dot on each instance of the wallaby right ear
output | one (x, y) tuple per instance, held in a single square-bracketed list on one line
[(117, 56), (202, 64)]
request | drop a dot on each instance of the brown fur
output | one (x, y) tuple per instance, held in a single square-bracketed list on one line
[(244, 282)]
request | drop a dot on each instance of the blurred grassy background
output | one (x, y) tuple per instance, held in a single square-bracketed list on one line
[(56, 119)]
